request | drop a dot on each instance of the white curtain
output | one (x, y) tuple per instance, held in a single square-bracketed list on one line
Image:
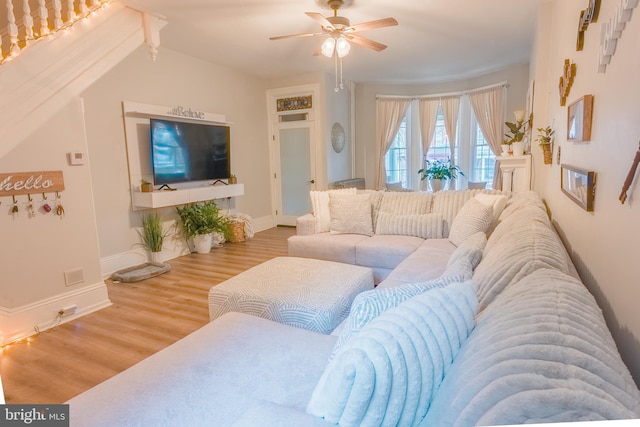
[(389, 115), (488, 107), (428, 110), (450, 108)]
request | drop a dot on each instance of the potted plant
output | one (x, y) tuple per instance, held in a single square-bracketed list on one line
[(200, 221), (544, 139), (515, 136), (153, 235), (232, 179), (146, 186), (438, 172)]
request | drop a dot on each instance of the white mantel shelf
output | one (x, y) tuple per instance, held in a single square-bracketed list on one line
[(163, 198)]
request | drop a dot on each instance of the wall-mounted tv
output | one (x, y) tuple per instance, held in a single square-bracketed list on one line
[(185, 151)]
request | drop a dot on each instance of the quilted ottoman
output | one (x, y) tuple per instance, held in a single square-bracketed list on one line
[(305, 293)]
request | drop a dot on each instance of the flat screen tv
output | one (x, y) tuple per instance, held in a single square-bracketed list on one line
[(185, 152)]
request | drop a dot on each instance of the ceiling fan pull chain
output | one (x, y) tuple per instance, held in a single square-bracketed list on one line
[(335, 59)]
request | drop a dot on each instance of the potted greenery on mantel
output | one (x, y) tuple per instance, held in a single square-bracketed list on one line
[(438, 173), (200, 221)]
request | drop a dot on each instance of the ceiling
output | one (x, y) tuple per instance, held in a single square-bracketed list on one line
[(435, 40)]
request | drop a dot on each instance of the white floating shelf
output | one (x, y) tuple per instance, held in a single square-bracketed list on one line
[(163, 198)]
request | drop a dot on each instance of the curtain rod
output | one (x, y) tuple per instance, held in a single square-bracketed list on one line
[(445, 95)]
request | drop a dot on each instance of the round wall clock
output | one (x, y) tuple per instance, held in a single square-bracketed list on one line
[(337, 137)]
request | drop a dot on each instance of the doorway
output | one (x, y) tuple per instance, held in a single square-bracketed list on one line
[(293, 133)]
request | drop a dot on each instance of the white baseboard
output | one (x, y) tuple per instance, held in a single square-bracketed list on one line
[(19, 323), (172, 249)]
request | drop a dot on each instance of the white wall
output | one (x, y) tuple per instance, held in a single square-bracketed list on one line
[(603, 244), (365, 107), (35, 252), (173, 79), (338, 110)]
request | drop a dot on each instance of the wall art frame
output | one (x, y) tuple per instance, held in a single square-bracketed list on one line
[(579, 185), (579, 114)]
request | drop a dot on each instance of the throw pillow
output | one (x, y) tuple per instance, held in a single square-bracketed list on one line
[(350, 213), (368, 305), (427, 226), (474, 216), (390, 372), (496, 201), (320, 206), (471, 248)]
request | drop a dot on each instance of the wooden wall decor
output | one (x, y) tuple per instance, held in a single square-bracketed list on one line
[(14, 184), (612, 30), (295, 103), (587, 16), (629, 180), (579, 115), (579, 185), (566, 80)]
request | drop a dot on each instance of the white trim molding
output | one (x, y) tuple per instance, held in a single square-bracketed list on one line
[(21, 322)]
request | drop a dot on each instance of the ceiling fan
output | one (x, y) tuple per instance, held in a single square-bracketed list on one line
[(340, 30)]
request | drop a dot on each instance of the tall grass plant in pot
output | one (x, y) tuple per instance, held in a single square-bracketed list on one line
[(152, 235)]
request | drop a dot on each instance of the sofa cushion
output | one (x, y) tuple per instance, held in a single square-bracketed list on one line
[(406, 203), (428, 262), (471, 249), (497, 203), (331, 247), (540, 353), (320, 206), (381, 376), (209, 377), (426, 226), (449, 203), (474, 217), (350, 213), (386, 251)]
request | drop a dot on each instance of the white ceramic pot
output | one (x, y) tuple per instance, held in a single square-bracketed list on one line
[(518, 148), (202, 243), (505, 149), (437, 184), (155, 257)]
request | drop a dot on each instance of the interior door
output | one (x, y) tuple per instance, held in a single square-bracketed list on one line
[(296, 172)]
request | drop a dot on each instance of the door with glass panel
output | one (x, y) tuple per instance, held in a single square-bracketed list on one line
[(295, 172)]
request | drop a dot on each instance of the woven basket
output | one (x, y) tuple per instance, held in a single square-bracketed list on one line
[(237, 232)]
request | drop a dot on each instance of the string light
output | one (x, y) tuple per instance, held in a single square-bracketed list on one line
[(66, 27)]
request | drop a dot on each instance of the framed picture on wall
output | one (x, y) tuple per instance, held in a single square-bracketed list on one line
[(578, 185), (579, 119)]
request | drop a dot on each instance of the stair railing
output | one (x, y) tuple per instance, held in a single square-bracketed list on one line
[(26, 21)]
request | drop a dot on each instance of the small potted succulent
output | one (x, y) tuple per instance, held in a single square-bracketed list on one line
[(439, 172), (146, 186), (544, 139)]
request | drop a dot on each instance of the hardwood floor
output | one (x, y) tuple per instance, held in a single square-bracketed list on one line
[(145, 317)]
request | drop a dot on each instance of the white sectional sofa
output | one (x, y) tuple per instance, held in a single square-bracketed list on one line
[(505, 334)]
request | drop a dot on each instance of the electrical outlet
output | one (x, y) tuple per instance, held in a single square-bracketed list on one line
[(68, 310)]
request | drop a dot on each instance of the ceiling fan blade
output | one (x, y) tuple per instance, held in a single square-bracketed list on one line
[(370, 25), (295, 35), (318, 17), (363, 41)]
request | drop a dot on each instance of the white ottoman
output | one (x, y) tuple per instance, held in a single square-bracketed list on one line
[(302, 292)]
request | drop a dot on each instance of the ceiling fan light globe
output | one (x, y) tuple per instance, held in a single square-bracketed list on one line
[(328, 47), (342, 47)]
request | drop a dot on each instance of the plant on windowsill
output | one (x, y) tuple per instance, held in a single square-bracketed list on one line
[(201, 221), (146, 186), (152, 235), (544, 139), (438, 172)]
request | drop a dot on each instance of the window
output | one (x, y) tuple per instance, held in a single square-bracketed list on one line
[(471, 151), (396, 158)]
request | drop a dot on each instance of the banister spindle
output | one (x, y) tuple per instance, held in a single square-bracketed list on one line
[(82, 8), (70, 14), (27, 21), (57, 14), (43, 12), (12, 30)]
